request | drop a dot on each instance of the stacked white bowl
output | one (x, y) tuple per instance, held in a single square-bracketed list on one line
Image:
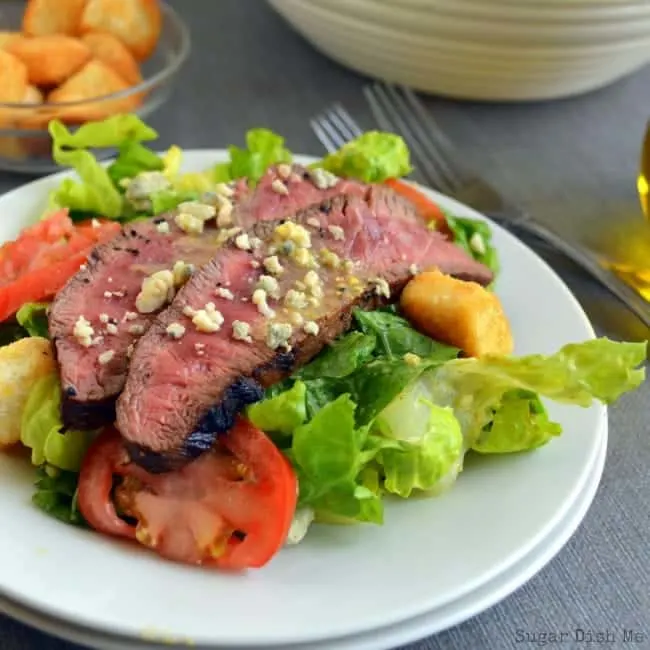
[(481, 49)]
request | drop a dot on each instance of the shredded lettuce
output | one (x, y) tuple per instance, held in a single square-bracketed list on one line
[(373, 157), (280, 414), (32, 317), (42, 430)]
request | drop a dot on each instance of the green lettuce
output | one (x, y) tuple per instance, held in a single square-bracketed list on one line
[(42, 430), (373, 157), (56, 494), (326, 453), (32, 317), (475, 237), (421, 445), (490, 393), (263, 148), (95, 193), (132, 159), (282, 413)]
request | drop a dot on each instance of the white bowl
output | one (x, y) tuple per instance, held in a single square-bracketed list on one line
[(481, 49)]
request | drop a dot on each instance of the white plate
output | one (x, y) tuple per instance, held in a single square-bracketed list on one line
[(395, 635), (342, 580)]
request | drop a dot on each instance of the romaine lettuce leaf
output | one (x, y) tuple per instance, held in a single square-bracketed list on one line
[(96, 193), (372, 157), (42, 430), (132, 159), (397, 337), (477, 389), (263, 148), (326, 453), (421, 445), (32, 316), (280, 414)]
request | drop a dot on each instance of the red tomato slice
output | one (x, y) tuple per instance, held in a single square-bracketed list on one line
[(39, 263), (231, 508), (430, 210), (104, 458)]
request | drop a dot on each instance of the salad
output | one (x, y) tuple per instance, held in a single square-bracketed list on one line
[(324, 374)]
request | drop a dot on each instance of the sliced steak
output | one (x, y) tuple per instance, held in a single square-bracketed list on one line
[(250, 317), (95, 320)]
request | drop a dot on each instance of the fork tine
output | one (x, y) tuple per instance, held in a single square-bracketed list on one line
[(390, 120), (328, 137), (433, 134), (424, 127), (344, 121)]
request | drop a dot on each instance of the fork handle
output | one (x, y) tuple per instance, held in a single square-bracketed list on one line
[(590, 263)]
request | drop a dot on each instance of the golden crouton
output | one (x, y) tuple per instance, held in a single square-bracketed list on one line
[(33, 96), (21, 364), (110, 50), (94, 80), (45, 17), (8, 37), (136, 23), (13, 85), (463, 314), (13, 78), (50, 60)]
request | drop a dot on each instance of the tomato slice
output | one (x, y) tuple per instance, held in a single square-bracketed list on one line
[(231, 508), (105, 458), (39, 263), (429, 209)]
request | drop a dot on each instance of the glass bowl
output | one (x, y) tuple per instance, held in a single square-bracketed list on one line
[(25, 144)]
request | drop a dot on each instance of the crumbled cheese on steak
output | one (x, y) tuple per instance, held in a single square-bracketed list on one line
[(226, 294), (182, 272), (330, 259), (175, 330), (279, 187), (260, 299), (163, 228), (311, 328), (296, 299), (192, 215), (381, 287), (278, 335), (157, 290), (106, 357), (243, 242), (269, 284), (290, 231), (284, 171), (323, 179), (208, 319), (337, 232), (273, 266), (83, 332), (241, 331)]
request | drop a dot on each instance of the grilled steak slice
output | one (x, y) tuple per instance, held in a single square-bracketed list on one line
[(95, 320), (211, 352)]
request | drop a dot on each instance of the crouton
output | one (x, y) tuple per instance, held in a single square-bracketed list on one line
[(8, 37), (50, 60), (21, 364), (136, 23), (45, 17), (13, 85), (111, 51), (463, 314), (93, 81)]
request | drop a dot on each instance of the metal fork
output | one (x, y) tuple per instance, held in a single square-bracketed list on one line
[(398, 110)]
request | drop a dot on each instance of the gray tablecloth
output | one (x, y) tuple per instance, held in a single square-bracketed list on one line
[(572, 163)]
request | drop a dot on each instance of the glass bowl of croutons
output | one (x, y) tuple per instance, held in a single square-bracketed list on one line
[(79, 61)]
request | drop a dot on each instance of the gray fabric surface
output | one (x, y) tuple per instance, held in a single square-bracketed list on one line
[(572, 163)]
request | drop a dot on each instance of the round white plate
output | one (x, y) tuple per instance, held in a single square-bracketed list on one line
[(391, 636), (342, 580)]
